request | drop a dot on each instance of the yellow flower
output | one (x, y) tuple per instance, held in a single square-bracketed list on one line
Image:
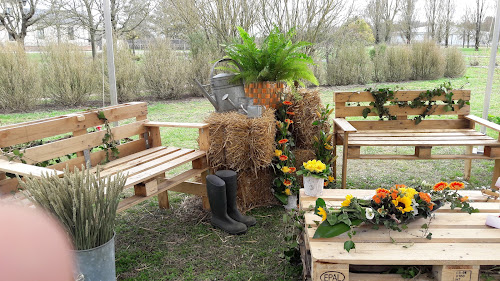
[(329, 138), (408, 191), (347, 201), (285, 169), (278, 153), (315, 166), (403, 204), (322, 213), (328, 147), (331, 178), (287, 191)]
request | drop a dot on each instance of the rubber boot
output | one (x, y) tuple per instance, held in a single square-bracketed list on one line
[(216, 191), (231, 180)]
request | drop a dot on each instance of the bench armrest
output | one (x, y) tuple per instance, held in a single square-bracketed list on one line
[(26, 170), (177, 125), (483, 122), (344, 125)]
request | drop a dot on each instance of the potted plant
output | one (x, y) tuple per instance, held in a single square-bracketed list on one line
[(315, 172), (86, 205), (265, 68)]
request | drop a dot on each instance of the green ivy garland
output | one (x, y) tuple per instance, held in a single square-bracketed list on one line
[(108, 141)]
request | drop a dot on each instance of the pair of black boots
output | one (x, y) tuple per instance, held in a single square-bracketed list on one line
[(221, 191)]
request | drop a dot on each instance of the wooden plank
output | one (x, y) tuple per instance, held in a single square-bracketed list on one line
[(400, 95), (344, 125), (492, 151), (413, 254), (35, 130), (413, 133), (132, 157), (384, 277), (418, 138), (8, 186), (484, 122), (154, 133), (177, 125), (26, 170), (194, 188), (163, 186), (147, 188), (396, 110), (456, 272), (353, 152), (410, 124), (423, 143), (88, 141), (423, 152), (204, 139), (152, 172), (413, 157), (98, 157)]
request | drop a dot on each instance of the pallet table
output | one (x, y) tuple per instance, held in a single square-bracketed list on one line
[(460, 243)]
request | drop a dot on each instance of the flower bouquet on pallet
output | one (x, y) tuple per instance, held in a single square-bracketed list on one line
[(392, 208)]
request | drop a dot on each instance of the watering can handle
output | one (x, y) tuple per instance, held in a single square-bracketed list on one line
[(223, 60)]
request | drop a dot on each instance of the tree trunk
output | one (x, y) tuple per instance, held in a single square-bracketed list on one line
[(463, 40), (478, 36), (92, 43)]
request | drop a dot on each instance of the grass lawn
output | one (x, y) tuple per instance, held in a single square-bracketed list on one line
[(180, 243)]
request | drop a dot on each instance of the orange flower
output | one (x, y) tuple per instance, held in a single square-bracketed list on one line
[(287, 102), (283, 141), (394, 194), (376, 199), (293, 169), (456, 185), (382, 190), (287, 182), (397, 186), (431, 206), (424, 196), (290, 113), (440, 186), (283, 157), (288, 121), (463, 199), (325, 183)]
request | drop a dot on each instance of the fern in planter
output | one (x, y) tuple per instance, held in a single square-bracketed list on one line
[(278, 58)]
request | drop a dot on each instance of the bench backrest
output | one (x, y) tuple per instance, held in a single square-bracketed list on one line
[(77, 133), (346, 105)]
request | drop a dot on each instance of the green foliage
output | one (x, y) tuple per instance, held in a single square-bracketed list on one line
[(84, 203), (455, 63), (494, 119), (277, 59), (108, 141), (20, 84), (323, 142), (427, 61), (398, 63), (69, 76), (380, 65), (349, 64), (355, 30)]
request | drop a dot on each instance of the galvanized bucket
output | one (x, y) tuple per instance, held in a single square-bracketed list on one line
[(97, 264)]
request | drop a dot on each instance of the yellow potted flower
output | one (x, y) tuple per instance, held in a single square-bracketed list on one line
[(315, 172)]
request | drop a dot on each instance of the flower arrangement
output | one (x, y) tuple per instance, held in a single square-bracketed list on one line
[(323, 142), (314, 168), (285, 182), (392, 208)]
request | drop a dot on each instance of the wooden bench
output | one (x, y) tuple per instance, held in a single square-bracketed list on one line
[(460, 243), (141, 156), (460, 131)]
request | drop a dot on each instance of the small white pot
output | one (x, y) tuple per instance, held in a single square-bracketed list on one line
[(313, 186), (292, 202)]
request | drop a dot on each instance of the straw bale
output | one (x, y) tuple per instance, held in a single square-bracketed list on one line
[(301, 156), (254, 189), (305, 114)]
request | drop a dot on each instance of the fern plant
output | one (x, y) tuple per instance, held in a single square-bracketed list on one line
[(278, 58)]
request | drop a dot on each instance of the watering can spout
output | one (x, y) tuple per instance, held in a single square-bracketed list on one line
[(207, 95)]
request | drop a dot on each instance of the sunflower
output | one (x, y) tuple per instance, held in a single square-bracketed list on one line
[(440, 186), (322, 213), (347, 201), (403, 204), (456, 185)]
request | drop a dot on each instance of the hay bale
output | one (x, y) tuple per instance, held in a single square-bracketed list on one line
[(301, 156), (254, 189), (241, 143), (305, 114)]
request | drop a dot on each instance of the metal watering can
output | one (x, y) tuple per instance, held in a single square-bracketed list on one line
[(228, 95)]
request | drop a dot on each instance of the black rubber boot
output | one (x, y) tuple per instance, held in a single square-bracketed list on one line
[(231, 180), (216, 191)]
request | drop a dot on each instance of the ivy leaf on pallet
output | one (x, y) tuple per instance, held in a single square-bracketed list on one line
[(108, 140)]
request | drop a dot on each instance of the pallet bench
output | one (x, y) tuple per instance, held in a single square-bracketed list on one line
[(460, 243), (142, 157), (404, 132)]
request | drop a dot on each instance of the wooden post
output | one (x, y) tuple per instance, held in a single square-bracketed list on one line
[(468, 163), (154, 133), (204, 143), (334, 137), (163, 200), (344, 160), (496, 174)]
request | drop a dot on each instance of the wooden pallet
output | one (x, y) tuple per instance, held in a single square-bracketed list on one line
[(460, 243)]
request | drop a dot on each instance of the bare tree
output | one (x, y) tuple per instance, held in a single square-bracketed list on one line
[(408, 19), (467, 27), (390, 9), (449, 10), (127, 15), (478, 20), (86, 13), (431, 13), (374, 15), (18, 15)]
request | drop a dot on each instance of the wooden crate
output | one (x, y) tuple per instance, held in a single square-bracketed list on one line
[(460, 243)]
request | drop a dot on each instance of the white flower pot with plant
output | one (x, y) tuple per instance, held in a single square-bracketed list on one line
[(315, 172)]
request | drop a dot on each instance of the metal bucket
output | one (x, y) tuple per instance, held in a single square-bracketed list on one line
[(97, 264)]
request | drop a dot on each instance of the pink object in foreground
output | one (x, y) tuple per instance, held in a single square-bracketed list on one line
[(33, 246), (497, 184)]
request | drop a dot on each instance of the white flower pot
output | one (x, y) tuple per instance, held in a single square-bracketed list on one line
[(292, 202), (313, 186)]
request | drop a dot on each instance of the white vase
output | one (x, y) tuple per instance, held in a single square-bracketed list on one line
[(313, 186), (292, 202)]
